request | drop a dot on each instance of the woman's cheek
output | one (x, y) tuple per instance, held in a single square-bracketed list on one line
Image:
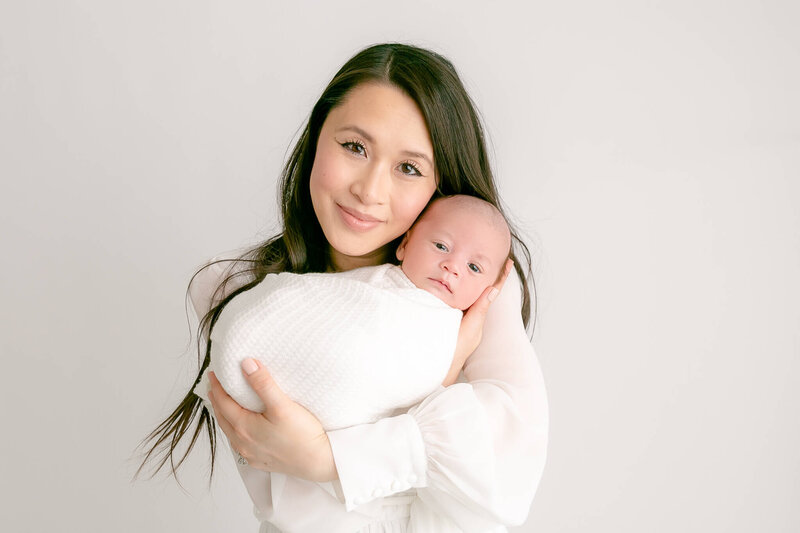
[(413, 202), (325, 174)]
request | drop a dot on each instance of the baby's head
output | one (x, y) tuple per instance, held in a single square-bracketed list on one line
[(456, 249)]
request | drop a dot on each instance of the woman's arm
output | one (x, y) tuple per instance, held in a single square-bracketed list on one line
[(286, 437), (476, 450)]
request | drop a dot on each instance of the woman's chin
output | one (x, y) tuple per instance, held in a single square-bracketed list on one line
[(347, 255)]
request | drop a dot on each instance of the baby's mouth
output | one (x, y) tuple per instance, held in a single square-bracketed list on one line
[(443, 283)]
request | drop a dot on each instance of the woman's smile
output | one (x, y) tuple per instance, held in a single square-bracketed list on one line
[(373, 173), (357, 220)]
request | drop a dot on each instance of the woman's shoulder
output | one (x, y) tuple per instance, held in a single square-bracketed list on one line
[(204, 284), (506, 311), (505, 354)]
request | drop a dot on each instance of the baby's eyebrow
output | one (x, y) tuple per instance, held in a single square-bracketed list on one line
[(482, 258)]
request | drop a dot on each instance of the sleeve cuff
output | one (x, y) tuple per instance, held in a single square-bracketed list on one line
[(379, 459)]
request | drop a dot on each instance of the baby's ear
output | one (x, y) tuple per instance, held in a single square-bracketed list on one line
[(401, 250)]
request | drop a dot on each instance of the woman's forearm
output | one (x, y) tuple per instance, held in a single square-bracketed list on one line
[(478, 448)]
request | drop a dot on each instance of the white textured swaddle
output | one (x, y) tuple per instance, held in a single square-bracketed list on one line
[(351, 346)]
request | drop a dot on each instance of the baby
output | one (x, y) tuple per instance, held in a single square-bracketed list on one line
[(457, 248), (353, 347)]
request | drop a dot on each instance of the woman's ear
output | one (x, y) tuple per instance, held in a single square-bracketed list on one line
[(401, 250)]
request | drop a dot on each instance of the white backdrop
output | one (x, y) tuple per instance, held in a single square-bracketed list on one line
[(650, 150)]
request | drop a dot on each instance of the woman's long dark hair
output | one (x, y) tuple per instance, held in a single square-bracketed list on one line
[(462, 167)]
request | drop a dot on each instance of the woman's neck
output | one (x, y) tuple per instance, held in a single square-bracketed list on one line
[(340, 262)]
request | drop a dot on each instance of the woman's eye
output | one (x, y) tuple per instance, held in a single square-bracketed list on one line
[(441, 246), (409, 169), (355, 147), (475, 268)]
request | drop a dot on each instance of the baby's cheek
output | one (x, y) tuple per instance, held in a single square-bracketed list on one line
[(478, 291)]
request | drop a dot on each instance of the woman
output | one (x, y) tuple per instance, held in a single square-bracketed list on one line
[(394, 127)]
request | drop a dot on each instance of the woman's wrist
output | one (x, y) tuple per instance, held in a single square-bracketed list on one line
[(326, 466), (452, 374)]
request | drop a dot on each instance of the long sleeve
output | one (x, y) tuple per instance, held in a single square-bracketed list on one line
[(476, 450)]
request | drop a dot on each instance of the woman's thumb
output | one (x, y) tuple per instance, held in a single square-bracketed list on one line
[(261, 380), (477, 311), (481, 305)]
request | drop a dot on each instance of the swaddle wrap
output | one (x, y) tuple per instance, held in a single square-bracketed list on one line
[(351, 347)]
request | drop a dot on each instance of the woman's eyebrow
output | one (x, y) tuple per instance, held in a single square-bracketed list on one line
[(358, 130), (368, 137), (417, 155)]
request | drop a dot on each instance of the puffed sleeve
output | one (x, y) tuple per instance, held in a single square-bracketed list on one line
[(201, 293), (203, 285), (476, 450)]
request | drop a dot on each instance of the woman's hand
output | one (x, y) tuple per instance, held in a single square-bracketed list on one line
[(285, 438), (471, 329)]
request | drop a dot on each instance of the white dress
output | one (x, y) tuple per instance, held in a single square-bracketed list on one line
[(467, 458)]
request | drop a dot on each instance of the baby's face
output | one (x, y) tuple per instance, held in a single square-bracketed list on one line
[(454, 252)]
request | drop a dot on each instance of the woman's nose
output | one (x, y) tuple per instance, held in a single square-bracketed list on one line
[(372, 185)]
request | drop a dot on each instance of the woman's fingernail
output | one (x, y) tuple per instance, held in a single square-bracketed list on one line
[(493, 294), (249, 366)]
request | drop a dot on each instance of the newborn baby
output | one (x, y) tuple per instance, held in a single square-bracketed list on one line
[(354, 346)]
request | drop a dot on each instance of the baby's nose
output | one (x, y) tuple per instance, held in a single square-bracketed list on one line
[(450, 266)]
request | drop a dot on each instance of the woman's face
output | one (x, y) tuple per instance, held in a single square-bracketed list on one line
[(373, 173)]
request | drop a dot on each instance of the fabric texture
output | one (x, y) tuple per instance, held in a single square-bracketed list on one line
[(351, 347), (470, 455)]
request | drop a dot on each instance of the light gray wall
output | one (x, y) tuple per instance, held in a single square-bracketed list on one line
[(650, 150)]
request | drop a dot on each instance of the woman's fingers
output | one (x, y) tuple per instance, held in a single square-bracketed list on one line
[(225, 406), (506, 271), (235, 431), (292, 441), (221, 420), (471, 330), (477, 311), (259, 378), (286, 437)]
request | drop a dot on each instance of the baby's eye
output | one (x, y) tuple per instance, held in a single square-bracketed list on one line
[(355, 147), (409, 169), (475, 268), (440, 246)]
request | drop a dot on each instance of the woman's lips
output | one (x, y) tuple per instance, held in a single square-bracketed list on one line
[(357, 220)]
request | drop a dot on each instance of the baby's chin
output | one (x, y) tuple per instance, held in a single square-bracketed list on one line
[(463, 306), (459, 303)]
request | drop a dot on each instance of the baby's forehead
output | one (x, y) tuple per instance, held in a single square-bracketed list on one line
[(481, 211), (477, 219)]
